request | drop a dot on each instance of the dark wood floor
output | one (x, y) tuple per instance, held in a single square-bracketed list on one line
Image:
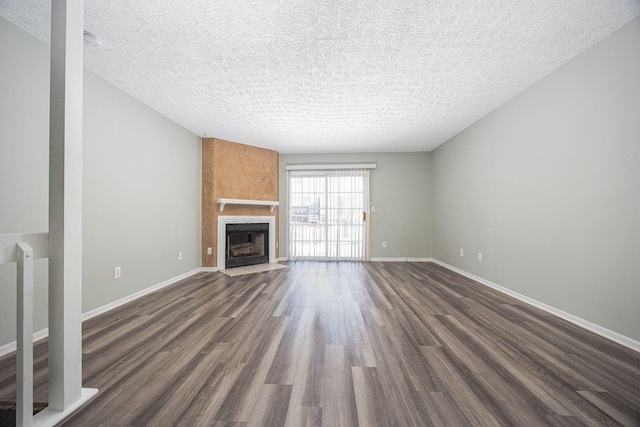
[(342, 344)]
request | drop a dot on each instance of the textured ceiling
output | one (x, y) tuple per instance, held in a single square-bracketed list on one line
[(331, 75)]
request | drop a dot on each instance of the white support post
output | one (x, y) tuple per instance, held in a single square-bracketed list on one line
[(24, 354), (65, 205), (65, 214)]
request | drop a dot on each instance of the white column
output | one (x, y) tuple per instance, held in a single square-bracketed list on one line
[(24, 353), (65, 204)]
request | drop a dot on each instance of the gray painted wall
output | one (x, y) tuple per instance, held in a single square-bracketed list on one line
[(141, 195), (400, 190), (547, 187)]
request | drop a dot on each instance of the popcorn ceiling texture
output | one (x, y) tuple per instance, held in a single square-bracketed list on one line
[(327, 75)]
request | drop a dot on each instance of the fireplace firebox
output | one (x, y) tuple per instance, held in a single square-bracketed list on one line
[(247, 244)]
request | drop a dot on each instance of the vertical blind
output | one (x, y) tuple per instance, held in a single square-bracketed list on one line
[(326, 214)]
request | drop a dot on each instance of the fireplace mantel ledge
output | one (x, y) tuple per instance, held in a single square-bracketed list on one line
[(271, 203)]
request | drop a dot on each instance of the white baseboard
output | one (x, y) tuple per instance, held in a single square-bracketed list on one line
[(285, 259), (44, 333), (12, 346), (49, 418), (604, 332), (98, 311)]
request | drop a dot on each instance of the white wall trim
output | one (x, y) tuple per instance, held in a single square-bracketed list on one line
[(49, 417), (597, 329), (44, 333), (606, 333), (11, 347), (96, 312), (285, 259)]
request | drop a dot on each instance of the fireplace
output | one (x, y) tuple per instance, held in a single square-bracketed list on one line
[(247, 244), (259, 222)]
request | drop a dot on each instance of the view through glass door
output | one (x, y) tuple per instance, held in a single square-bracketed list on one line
[(327, 214)]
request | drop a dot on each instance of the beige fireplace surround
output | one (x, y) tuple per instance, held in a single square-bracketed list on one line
[(235, 171)]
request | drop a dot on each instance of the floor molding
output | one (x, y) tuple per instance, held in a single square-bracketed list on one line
[(98, 311), (48, 417), (44, 333), (12, 346), (604, 332), (285, 259), (597, 329)]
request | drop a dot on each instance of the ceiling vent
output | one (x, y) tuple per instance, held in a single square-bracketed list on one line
[(92, 40)]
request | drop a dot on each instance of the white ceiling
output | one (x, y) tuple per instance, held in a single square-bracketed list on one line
[(331, 75)]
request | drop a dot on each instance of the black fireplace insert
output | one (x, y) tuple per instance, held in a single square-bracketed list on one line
[(247, 244)]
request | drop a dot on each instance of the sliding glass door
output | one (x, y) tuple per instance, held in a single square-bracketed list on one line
[(327, 214)]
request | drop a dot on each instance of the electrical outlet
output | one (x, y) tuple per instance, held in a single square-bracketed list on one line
[(209, 251), (480, 256), (461, 252), (179, 255), (373, 209), (117, 273), (384, 244)]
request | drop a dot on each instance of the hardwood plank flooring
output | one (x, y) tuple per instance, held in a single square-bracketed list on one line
[(343, 344)]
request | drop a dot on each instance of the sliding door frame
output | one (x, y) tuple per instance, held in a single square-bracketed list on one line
[(367, 199)]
